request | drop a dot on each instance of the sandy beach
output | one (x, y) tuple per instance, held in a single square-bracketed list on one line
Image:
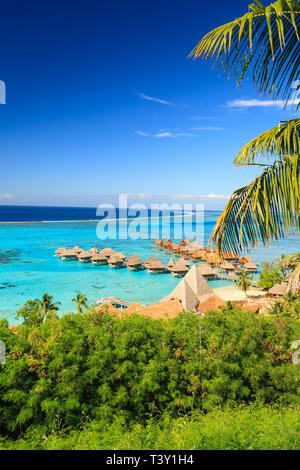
[(233, 293)]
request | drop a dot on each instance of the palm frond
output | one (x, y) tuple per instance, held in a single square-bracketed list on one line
[(276, 143), (262, 212), (267, 39)]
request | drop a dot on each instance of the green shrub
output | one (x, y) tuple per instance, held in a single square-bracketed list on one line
[(97, 367)]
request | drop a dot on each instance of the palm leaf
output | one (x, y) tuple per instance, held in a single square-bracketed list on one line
[(278, 142), (265, 39), (263, 211)]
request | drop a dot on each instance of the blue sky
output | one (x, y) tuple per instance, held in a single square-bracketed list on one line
[(102, 99)]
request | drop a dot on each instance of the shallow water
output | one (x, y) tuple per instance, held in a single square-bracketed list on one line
[(28, 268)]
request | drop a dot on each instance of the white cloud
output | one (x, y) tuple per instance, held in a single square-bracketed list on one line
[(6, 196), (168, 134), (207, 128), (203, 196), (261, 103), (156, 100)]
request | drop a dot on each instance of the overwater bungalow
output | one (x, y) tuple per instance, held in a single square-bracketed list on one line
[(227, 267), (99, 259), (119, 253), (199, 255), (210, 258), (230, 256), (155, 266), (115, 261), (69, 255), (171, 263), (149, 260), (206, 271), (180, 268), (59, 252), (184, 242), (134, 263), (84, 256), (158, 243), (245, 259), (250, 267)]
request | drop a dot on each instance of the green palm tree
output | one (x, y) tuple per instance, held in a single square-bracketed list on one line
[(244, 281), (266, 42), (276, 309), (49, 306), (81, 302)]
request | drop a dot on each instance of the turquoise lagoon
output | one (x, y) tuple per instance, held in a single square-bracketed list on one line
[(28, 268)]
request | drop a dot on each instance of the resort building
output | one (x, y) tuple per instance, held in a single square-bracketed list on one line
[(84, 256), (69, 255), (134, 263), (250, 267), (60, 251), (227, 267), (107, 252), (115, 261), (278, 290), (77, 249), (99, 259), (94, 250), (206, 271), (155, 266), (180, 268)]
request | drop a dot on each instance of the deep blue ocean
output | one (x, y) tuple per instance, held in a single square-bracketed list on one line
[(29, 237)]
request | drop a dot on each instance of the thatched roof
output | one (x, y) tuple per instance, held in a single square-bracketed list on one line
[(278, 289), (60, 250), (210, 258), (199, 254), (94, 250), (115, 259), (230, 255), (211, 303), (185, 262), (180, 267), (155, 264), (133, 260), (99, 257), (149, 260), (168, 309), (107, 252), (84, 255), (119, 253), (191, 290), (171, 263), (158, 243), (227, 266), (77, 249), (184, 242), (69, 254), (245, 259), (205, 270), (250, 266)]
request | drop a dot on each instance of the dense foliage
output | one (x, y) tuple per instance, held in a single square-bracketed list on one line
[(251, 427), (270, 275), (77, 367)]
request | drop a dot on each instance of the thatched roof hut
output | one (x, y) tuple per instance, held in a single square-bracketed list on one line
[(69, 255), (230, 256), (171, 263), (210, 258), (77, 249), (245, 259), (107, 252), (84, 256), (169, 309), (115, 261), (179, 269), (134, 263), (155, 266), (278, 290), (94, 250), (60, 251), (199, 254), (250, 267), (206, 270), (184, 242), (117, 303), (158, 243), (192, 291), (119, 253), (99, 258), (226, 266), (149, 260)]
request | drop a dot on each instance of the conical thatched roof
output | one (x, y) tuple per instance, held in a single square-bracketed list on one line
[(69, 254), (149, 260), (278, 289), (191, 290), (77, 249), (180, 267), (210, 258), (158, 243), (230, 255), (184, 261), (184, 242), (107, 252), (245, 259), (94, 250), (171, 263), (133, 260)]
